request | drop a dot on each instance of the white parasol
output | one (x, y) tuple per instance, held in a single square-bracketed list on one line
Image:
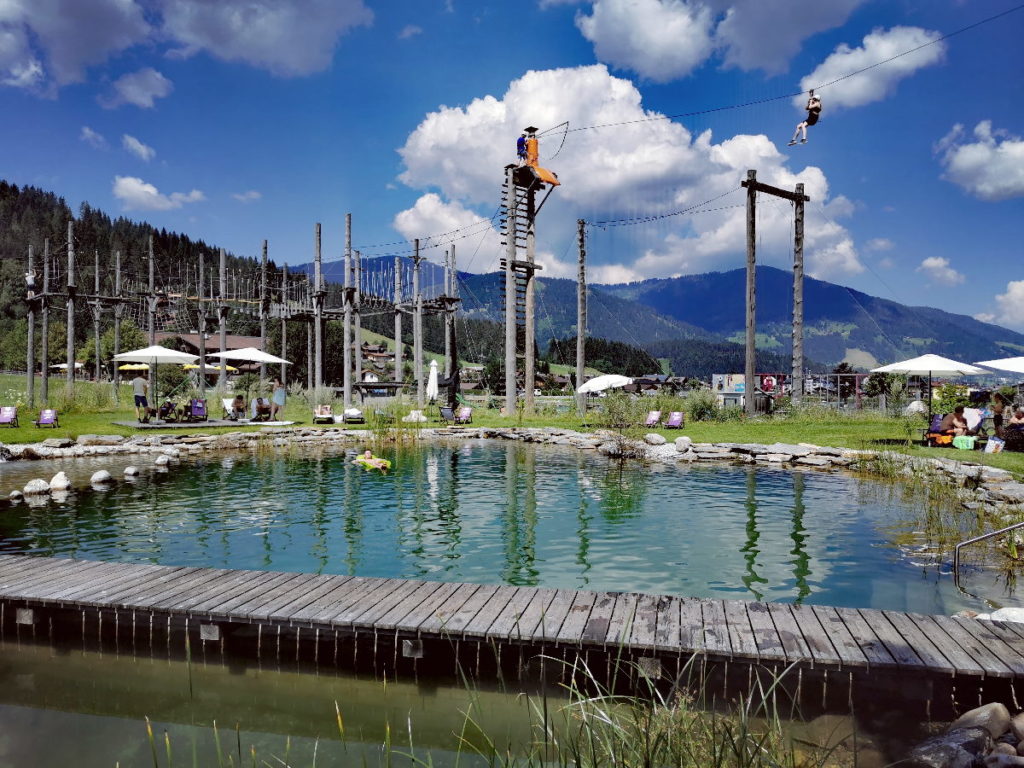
[(154, 356), (250, 355), (606, 381), (432, 381)]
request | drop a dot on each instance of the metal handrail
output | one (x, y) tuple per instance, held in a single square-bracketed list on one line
[(975, 540)]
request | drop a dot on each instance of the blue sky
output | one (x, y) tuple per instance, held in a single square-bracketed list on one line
[(239, 120)]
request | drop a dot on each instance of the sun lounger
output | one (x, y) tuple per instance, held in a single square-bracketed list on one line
[(352, 416), (229, 409), (447, 414), (47, 418), (168, 411), (464, 416), (195, 410), (653, 417), (675, 420), (9, 415), (322, 414)]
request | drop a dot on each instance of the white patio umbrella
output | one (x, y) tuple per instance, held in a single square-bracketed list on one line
[(432, 381), (154, 356), (929, 365), (1011, 364), (250, 355), (606, 381)]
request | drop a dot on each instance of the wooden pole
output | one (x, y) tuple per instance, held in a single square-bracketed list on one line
[(96, 309), (310, 361), (202, 327), (510, 292), (751, 351), (530, 329), (357, 332), (346, 326), (398, 319), (417, 326), (263, 309), (222, 314), (284, 322), (447, 315), (318, 312), (452, 336), (72, 290), (151, 314), (30, 351), (581, 312), (798, 295), (44, 332), (118, 312)]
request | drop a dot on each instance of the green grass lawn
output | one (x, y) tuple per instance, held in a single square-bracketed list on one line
[(860, 430)]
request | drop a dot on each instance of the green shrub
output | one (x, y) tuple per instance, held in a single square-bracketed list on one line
[(702, 405), (949, 397)]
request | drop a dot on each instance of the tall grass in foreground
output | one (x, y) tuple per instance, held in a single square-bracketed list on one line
[(594, 728)]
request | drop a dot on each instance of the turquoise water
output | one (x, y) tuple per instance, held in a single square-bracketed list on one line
[(509, 513)]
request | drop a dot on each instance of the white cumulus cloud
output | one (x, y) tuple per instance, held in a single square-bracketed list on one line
[(431, 216), (137, 148), (658, 39), (878, 244), (652, 167), (938, 269), (248, 196), (991, 167), (141, 88), (138, 195), (877, 83), (1010, 306), (92, 138), (410, 30), (288, 39)]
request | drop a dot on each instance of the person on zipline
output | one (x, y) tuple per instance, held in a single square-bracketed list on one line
[(813, 113), (521, 149)]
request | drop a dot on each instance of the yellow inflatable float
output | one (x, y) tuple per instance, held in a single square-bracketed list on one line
[(368, 461)]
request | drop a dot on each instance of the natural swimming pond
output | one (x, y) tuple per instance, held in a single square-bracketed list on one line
[(512, 513)]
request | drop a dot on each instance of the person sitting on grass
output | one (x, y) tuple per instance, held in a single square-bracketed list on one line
[(954, 423), (1016, 421)]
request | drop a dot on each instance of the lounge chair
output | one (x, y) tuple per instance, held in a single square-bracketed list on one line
[(653, 417), (195, 410), (168, 411), (675, 420), (934, 437), (322, 415), (229, 409), (352, 416), (464, 416), (447, 414), (47, 418), (260, 409), (9, 415)]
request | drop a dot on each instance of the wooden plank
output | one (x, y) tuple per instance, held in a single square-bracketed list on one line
[(459, 620), (552, 618), (24, 568), (222, 605), (359, 600), (992, 634), (413, 600), (240, 582), (223, 581), (274, 599), (817, 639), (850, 654), (874, 650), (962, 642), (320, 585), (166, 600), (421, 612), (138, 593), (38, 580), (666, 636), (741, 635), (319, 611), (790, 637), (623, 616), (691, 625), (1010, 634), (530, 615), (933, 658), (97, 593), (380, 607), (716, 628), (766, 636), (897, 646), (596, 628), (233, 606), (437, 621), (488, 615), (645, 623), (571, 631)]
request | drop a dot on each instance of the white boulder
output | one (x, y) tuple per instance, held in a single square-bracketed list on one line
[(36, 487), (101, 477), (60, 482)]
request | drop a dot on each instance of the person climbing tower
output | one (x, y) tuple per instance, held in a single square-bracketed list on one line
[(521, 149), (532, 146), (813, 113)]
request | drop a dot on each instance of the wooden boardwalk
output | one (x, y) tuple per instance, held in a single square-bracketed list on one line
[(642, 625)]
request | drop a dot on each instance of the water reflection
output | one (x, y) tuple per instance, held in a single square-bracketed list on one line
[(511, 513)]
